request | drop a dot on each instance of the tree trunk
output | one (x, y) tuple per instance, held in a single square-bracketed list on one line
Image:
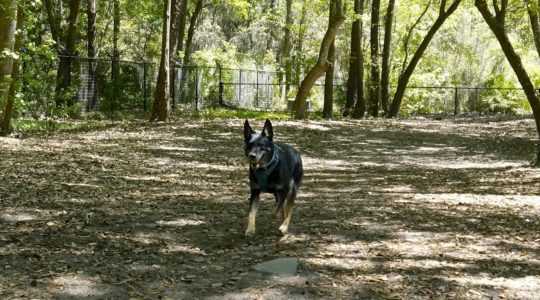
[(299, 54), (8, 25), (532, 9), (63, 75), (408, 71), (328, 107), (496, 24), (375, 80), (116, 54), (162, 103), (191, 30), (355, 92), (92, 103), (287, 46), (181, 20), (5, 122), (385, 75), (321, 65)]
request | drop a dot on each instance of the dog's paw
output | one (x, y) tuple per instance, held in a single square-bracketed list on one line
[(284, 228), (250, 231)]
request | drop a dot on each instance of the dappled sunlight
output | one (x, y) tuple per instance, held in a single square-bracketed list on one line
[(406, 209), (180, 222), (527, 287), (77, 286)]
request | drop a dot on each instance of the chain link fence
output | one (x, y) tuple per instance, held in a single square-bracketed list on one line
[(109, 86)]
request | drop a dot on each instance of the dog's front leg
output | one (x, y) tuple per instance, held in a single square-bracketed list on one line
[(253, 206)]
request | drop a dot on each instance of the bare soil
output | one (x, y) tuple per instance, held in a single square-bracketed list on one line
[(390, 209)]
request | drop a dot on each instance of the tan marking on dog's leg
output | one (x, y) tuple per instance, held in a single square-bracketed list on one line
[(288, 215), (251, 219)]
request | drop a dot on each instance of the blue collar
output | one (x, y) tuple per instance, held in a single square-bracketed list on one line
[(262, 174)]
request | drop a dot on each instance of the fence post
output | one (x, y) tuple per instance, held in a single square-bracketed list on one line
[(239, 86), (196, 88), (257, 88), (145, 71), (172, 88), (113, 79), (456, 101), (220, 86)]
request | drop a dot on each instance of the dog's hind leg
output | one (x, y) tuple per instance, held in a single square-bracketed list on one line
[(288, 209), (280, 200), (253, 206)]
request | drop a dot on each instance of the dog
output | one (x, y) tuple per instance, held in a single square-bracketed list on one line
[(274, 168)]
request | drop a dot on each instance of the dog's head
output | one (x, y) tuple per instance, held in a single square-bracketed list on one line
[(259, 146)]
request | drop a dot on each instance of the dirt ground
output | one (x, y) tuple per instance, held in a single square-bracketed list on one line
[(389, 209)]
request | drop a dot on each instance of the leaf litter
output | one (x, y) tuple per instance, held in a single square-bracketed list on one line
[(390, 209)]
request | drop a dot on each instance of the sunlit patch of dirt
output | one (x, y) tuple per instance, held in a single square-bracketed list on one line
[(393, 209)]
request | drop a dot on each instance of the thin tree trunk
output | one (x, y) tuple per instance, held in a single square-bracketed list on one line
[(181, 20), (355, 104), (63, 75), (162, 103), (321, 65), (299, 57), (287, 46), (328, 107), (375, 79), (532, 9), (408, 71), (496, 24), (8, 25), (5, 122), (92, 103), (116, 54), (191, 30), (385, 75)]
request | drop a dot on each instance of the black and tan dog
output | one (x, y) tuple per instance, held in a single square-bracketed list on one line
[(274, 168)]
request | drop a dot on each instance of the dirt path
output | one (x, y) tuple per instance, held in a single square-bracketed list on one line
[(398, 209)]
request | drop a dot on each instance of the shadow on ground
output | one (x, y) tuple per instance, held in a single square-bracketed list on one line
[(389, 209)]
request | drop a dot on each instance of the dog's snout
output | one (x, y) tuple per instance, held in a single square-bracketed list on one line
[(252, 156)]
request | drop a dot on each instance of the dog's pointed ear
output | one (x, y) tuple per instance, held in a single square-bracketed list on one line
[(247, 131), (267, 130)]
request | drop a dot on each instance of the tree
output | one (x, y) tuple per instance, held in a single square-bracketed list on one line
[(191, 30), (328, 107), (8, 25), (5, 122), (355, 82), (66, 49), (91, 53), (321, 65), (385, 74), (407, 72), (287, 46), (375, 79), (299, 47), (162, 101), (496, 23)]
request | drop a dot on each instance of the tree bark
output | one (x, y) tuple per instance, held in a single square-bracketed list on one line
[(162, 103), (375, 80), (181, 25), (354, 60), (321, 65), (299, 54), (385, 74), (191, 30), (328, 107), (63, 75), (92, 103), (5, 122), (497, 25), (360, 106), (287, 46), (8, 25), (532, 9), (408, 71)]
